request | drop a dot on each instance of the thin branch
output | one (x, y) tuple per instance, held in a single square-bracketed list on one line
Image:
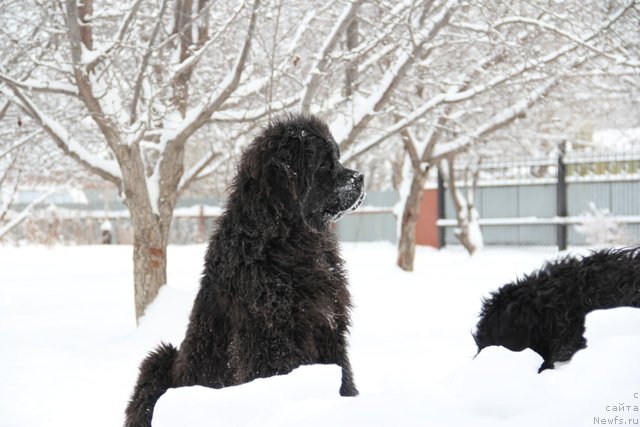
[(190, 176), (24, 214), (187, 66), (198, 116), (499, 120), (318, 66), (394, 74), (456, 95), (122, 31), (42, 86), (251, 115), (22, 141), (106, 169), (105, 124), (144, 64), (569, 36)]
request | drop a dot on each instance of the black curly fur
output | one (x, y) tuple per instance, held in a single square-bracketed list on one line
[(545, 311), (273, 295)]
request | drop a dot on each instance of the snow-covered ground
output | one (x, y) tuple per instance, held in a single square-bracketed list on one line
[(70, 349)]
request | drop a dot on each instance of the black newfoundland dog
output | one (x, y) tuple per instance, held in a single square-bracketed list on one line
[(546, 310), (273, 295)]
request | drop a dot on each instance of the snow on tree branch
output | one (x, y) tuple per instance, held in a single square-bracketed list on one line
[(41, 86), (495, 122), (189, 64), (461, 93), (198, 115), (403, 60), (144, 63), (322, 56), (26, 212), (107, 169), (94, 57), (22, 141)]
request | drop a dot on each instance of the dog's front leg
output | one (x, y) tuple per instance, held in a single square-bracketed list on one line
[(348, 386)]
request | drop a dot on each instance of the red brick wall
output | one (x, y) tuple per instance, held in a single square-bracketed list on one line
[(427, 231)]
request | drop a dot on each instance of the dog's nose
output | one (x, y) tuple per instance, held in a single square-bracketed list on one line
[(359, 178)]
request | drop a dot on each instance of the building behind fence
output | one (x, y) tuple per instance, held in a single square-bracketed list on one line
[(521, 202)]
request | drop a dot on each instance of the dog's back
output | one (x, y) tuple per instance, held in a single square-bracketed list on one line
[(608, 278)]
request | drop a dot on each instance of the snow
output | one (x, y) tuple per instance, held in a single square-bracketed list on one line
[(475, 235), (600, 226), (617, 139), (153, 189), (71, 348), (106, 226)]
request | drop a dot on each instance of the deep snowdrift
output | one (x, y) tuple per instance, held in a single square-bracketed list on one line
[(71, 349)]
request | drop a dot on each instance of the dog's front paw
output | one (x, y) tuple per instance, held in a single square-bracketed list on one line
[(546, 365), (348, 390)]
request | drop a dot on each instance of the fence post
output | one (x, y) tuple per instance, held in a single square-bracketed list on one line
[(561, 197), (441, 210)]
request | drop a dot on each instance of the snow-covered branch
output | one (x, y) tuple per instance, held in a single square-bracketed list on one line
[(144, 63), (97, 56), (253, 114), (322, 57), (41, 85), (385, 28), (81, 74), (25, 213), (192, 174), (107, 169), (465, 92), (189, 64), (499, 120), (200, 114), (365, 112), (22, 141), (573, 38), (7, 192)]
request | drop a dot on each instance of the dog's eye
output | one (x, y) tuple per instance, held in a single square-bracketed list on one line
[(325, 166)]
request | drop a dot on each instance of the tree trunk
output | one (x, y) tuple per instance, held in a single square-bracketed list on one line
[(151, 224), (468, 231), (86, 35), (407, 244), (149, 260)]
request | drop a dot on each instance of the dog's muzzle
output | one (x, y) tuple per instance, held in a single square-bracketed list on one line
[(350, 195)]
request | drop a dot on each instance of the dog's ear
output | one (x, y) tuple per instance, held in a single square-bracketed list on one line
[(288, 165), (273, 168)]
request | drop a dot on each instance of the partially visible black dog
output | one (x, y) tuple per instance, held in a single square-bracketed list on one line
[(546, 310), (273, 295)]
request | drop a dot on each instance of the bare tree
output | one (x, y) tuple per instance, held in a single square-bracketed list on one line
[(126, 90), (468, 230), (144, 118), (486, 68)]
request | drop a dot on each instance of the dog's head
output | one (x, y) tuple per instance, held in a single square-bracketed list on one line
[(295, 167)]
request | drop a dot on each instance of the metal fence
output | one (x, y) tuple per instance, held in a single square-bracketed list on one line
[(373, 221), (521, 202), (64, 220), (537, 201)]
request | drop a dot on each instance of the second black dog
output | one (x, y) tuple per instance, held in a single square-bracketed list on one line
[(545, 311)]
